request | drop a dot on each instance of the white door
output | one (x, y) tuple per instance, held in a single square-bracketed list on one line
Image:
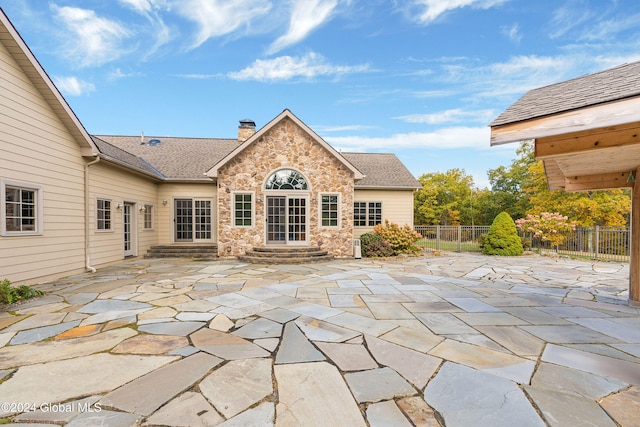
[(128, 229)]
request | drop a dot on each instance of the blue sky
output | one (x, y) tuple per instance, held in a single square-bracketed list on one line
[(420, 78)]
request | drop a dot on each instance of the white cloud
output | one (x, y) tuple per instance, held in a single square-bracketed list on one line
[(445, 138), (220, 17), (144, 6), (430, 10), (512, 32), (92, 40), (306, 16), (72, 86), (287, 67), (568, 17), (450, 116)]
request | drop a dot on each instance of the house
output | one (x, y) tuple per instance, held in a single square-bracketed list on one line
[(586, 132), (71, 201)]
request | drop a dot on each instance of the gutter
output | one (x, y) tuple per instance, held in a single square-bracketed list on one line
[(87, 253)]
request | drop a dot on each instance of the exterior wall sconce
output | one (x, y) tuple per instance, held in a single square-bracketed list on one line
[(259, 198), (313, 199), (164, 202), (119, 206), (143, 209)]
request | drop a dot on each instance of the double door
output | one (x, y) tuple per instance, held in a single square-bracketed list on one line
[(287, 218), (193, 220)]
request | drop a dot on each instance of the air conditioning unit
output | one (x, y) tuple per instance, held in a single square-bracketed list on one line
[(357, 250)]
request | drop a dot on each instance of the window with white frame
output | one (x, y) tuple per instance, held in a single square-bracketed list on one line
[(243, 209), (367, 214), (103, 213), (148, 217), (22, 209), (329, 210)]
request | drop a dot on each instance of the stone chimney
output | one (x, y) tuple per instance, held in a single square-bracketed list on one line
[(246, 129)]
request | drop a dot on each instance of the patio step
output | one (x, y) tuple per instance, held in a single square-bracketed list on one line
[(285, 255), (199, 251)]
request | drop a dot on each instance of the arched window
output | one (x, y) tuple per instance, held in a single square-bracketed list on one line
[(286, 179)]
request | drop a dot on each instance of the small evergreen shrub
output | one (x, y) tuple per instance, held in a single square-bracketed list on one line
[(503, 238), (481, 239), (9, 294), (374, 245), (401, 239)]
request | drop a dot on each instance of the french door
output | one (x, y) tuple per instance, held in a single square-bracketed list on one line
[(193, 220), (129, 231), (287, 220)]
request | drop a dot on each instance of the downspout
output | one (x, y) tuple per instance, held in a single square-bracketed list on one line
[(87, 209)]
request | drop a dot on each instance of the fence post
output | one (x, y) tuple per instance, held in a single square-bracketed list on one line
[(597, 240), (438, 237), (459, 238)]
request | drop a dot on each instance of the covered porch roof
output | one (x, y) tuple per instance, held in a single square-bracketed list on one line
[(587, 134)]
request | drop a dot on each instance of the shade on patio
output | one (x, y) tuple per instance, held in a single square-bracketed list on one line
[(587, 134)]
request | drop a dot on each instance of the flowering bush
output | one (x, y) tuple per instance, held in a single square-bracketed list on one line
[(373, 245), (549, 227), (401, 239)]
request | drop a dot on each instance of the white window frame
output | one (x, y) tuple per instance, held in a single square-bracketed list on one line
[(111, 219), (39, 208), (338, 206), (368, 206), (149, 209), (233, 208)]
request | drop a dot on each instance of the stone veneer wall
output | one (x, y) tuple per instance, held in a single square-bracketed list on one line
[(286, 145)]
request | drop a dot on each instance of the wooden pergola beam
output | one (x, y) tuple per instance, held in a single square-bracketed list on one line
[(604, 181), (588, 141), (600, 116)]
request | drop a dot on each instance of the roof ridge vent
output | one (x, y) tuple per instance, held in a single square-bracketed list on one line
[(154, 142)]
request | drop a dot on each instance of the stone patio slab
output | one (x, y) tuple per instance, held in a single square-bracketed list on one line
[(188, 410), (260, 416), (296, 348), (172, 328), (385, 414), (35, 321), (226, 346), (104, 418), (318, 330), (623, 407), (150, 344), (238, 385), (348, 357), (38, 334), (466, 397), (567, 380), (147, 393), (101, 306), (94, 374), (378, 384), (314, 391), (421, 339), (47, 351), (259, 328), (568, 410)]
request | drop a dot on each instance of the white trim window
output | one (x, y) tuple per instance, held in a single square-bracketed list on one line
[(367, 214), (22, 209), (103, 215), (329, 210), (149, 217), (243, 209)]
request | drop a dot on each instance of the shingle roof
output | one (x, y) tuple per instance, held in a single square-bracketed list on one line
[(610, 85), (190, 158), (382, 170), (176, 158), (111, 152)]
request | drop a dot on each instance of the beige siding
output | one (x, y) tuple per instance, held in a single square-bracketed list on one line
[(171, 191), (119, 186), (37, 149), (397, 206)]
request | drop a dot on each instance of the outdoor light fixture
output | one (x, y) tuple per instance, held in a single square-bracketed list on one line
[(142, 209), (259, 198), (119, 206), (164, 202)]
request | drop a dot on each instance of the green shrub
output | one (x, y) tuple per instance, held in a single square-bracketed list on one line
[(9, 294), (401, 239), (374, 245), (481, 239), (503, 238)]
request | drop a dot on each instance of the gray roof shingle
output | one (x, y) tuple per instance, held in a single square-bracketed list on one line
[(609, 85), (382, 170), (190, 158)]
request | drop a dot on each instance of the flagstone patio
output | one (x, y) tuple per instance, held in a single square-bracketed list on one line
[(455, 340)]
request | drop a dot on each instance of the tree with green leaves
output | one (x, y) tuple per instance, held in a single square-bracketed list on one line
[(445, 198)]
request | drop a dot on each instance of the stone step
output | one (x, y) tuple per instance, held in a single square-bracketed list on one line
[(280, 260), (183, 251), (286, 254), (285, 249)]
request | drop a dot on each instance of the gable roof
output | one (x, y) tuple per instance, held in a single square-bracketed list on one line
[(213, 172), (593, 89), (382, 170), (15, 45)]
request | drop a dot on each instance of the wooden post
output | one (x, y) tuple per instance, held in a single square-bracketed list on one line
[(634, 261)]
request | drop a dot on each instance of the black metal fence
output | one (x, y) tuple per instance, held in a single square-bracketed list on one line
[(598, 242)]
